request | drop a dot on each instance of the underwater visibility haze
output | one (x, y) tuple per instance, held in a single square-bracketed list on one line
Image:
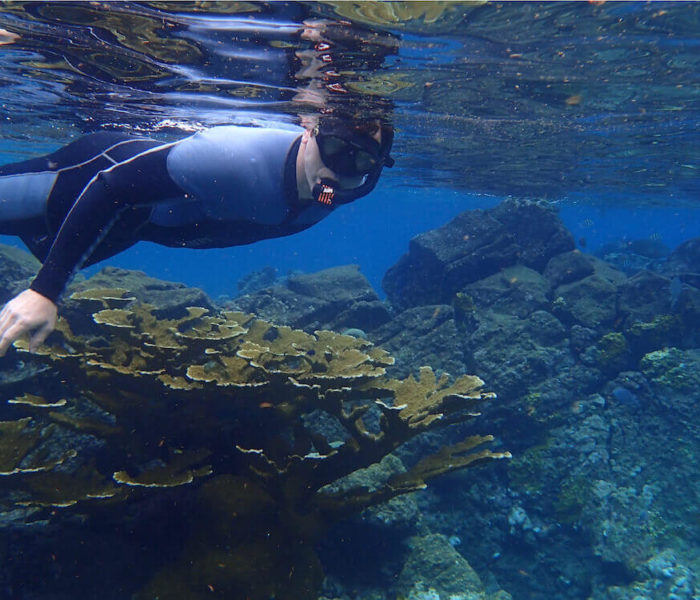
[(480, 381)]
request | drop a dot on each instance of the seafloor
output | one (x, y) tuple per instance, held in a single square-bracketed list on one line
[(596, 365)]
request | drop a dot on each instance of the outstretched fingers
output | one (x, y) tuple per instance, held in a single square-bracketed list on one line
[(26, 313), (10, 330), (40, 336)]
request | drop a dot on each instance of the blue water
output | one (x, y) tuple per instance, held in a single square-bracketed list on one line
[(592, 106), (374, 233)]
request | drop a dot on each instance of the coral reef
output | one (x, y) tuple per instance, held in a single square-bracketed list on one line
[(596, 366), (230, 404), (609, 361)]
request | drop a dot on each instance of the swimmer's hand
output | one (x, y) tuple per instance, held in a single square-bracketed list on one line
[(28, 312)]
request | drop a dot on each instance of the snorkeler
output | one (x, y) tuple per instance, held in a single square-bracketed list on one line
[(221, 187)]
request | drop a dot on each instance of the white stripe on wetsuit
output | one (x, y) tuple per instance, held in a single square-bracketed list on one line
[(107, 227), (24, 195)]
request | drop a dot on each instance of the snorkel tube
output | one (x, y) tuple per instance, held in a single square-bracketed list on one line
[(327, 191)]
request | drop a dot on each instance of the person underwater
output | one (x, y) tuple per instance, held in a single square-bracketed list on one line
[(224, 186)]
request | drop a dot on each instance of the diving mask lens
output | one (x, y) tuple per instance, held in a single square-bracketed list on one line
[(346, 157)]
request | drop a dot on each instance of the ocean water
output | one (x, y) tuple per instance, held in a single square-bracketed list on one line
[(591, 109)]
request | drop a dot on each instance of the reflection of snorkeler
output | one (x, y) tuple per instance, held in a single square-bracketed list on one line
[(221, 187)]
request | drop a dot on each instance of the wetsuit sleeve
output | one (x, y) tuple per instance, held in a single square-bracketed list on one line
[(137, 181)]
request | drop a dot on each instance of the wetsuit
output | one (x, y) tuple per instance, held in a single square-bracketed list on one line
[(99, 195)]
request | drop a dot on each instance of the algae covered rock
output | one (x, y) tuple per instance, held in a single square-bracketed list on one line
[(684, 262), (423, 335), (591, 301), (664, 576), (337, 298), (516, 290), (473, 246), (568, 267), (643, 296), (675, 376), (435, 570), (517, 353), (18, 268), (613, 353), (169, 299)]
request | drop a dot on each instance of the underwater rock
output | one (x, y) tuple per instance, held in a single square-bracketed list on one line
[(537, 229), (654, 316), (674, 375), (592, 301), (517, 353), (335, 299), (434, 570), (689, 311), (644, 296), (617, 516), (663, 577), (612, 353), (18, 268), (684, 262), (651, 247), (660, 332), (516, 290), (603, 452), (472, 246), (611, 474), (632, 256), (370, 547), (423, 335), (568, 267), (170, 299), (631, 389), (257, 280)]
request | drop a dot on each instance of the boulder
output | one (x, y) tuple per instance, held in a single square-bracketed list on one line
[(170, 298), (338, 298), (434, 569), (18, 269), (644, 296), (516, 290), (512, 354), (426, 335), (568, 267), (684, 262), (591, 301), (473, 246)]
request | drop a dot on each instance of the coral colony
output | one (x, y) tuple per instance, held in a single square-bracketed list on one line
[(265, 421)]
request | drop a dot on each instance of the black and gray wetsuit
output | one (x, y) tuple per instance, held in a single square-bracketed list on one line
[(99, 195)]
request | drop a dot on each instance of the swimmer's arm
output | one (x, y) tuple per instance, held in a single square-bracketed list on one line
[(134, 182), (138, 181)]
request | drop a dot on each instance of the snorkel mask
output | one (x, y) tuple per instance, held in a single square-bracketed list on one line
[(349, 152)]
